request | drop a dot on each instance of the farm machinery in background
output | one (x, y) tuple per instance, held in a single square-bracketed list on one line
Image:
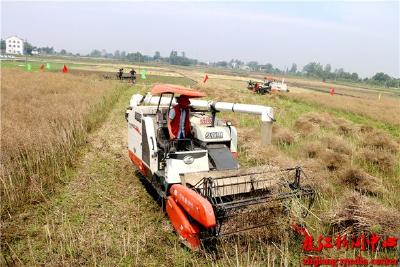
[(121, 75), (269, 85), (127, 76), (204, 191)]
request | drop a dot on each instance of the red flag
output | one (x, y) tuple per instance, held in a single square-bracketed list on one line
[(65, 69), (42, 67), (332, 91), (205, 78)]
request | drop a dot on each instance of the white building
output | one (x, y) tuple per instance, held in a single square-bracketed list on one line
[(14, 45)]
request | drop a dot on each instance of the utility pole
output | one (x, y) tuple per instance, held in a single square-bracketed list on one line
[(25, 51)]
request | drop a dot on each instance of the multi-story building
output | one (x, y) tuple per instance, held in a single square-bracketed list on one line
[(14, 45)]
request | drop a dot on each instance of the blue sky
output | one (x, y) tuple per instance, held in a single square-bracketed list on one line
[(359, 36)]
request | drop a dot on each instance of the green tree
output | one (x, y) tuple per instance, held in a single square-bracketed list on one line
[(135, 57), (339, 73), (253, 65), (95, 53), (223, 64), (314, 69), (319, 71), (3, 45), (63, 52), (381, 77), (268, 68), (310, 68), (46, 50), (393, 83), (28, 48), (117, 54), (157, 55), (354, 76), (328, 68), (293, 69)]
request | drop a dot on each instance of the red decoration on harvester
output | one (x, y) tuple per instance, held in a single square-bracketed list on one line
[(65, 69), (332, 91), (205, 78), (42, 67)]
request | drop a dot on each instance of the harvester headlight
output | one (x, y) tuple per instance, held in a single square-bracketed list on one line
[(188, 160)]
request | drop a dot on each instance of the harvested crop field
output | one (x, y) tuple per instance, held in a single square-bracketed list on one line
[(72, 196)]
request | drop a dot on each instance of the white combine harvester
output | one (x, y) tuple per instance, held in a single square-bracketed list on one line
[(199, 177), (279, 86), (269, 85)]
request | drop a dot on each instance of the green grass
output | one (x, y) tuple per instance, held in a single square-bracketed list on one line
[(294, 107), (151, 79), (371, 87), (54, 66)]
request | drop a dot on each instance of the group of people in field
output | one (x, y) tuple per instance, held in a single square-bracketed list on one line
[(132, 76)]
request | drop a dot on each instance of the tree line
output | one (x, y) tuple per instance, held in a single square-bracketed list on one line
[(317, 70), (174, 58), (312, 69)]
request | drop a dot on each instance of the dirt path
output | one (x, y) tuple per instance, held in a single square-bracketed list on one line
[(102, 216)]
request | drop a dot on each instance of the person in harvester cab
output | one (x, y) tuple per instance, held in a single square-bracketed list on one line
[(178, 119)]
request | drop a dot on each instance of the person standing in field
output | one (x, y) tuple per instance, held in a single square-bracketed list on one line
[(133, 75), (120, 72)]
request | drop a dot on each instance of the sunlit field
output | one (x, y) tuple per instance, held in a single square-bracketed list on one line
[(45, 116), (70, 195)]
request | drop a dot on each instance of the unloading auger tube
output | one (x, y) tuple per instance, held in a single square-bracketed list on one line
[(266, 113), (206, 194)]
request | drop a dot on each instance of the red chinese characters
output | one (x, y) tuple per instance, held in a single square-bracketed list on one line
[(362, 242)]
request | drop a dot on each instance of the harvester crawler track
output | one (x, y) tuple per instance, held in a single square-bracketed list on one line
[(247, 196)]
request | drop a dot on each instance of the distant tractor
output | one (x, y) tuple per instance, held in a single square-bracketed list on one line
[(277, 86), (259, 87), (126, 76), (269, 85)]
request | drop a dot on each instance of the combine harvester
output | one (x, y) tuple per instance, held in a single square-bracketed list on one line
[(199, 178), (269, 85)]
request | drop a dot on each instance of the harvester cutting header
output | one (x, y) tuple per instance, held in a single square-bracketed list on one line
[(190, 157)]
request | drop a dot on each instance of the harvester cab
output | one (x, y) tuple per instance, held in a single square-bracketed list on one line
[(199, 176)]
